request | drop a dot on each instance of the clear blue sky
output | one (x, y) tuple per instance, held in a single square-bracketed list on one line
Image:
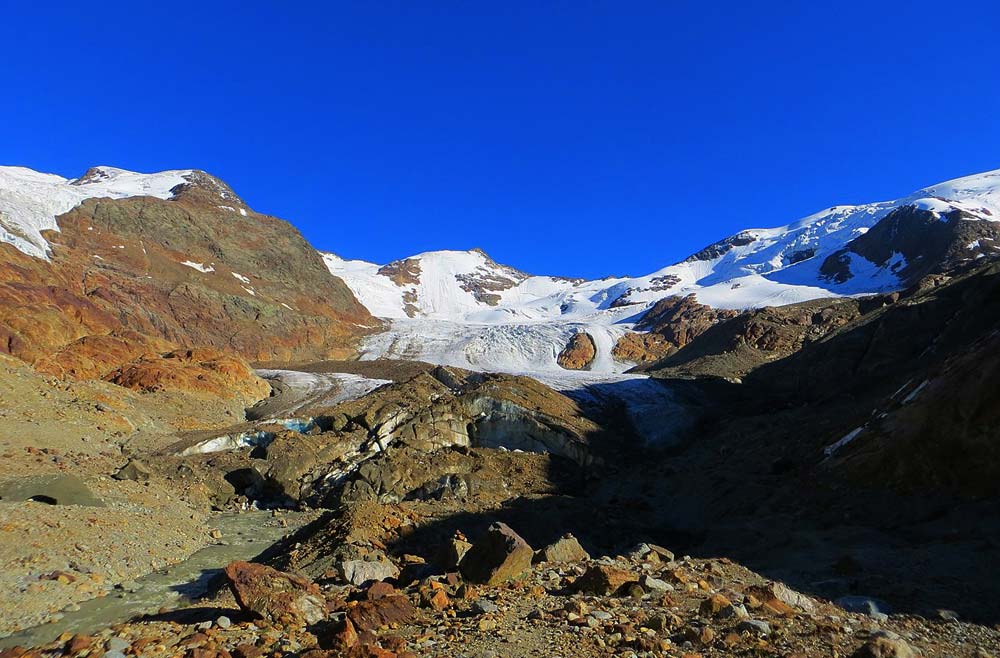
[(576, 138)]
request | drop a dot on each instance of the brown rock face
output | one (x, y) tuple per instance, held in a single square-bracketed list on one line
[(274, 595), (202, 372), (501, 555), (579, 353), (671, 323), (116, 286)]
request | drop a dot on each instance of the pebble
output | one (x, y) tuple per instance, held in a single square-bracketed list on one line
[(223, 622)]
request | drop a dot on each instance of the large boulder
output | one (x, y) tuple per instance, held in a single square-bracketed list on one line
[(370, 615), (276, 596), (500, 555), (579, 353), (603, 580)]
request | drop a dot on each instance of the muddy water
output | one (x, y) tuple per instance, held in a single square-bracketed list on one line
[(246, 535)]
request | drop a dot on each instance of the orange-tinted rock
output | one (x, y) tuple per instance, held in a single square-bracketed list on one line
[(603, 580), (116, 283), (274, 595), (672, 323), (579, 353), (370, 615), (500, 555), (201, 372)]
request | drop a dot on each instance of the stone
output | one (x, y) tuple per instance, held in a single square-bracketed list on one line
[(370, 615), (223, 622), (714, 605), (275, 595), (754, 627), (117, 644), (564, 549), (885, 644), (779, 591), (133, 471), (664, 554), (734, 611), (379, 590), (500, 555), (359, 572), (655, 585), (79, 643), (344, 637), (484, 606), (865, 605), (453, 552), (602, 580)]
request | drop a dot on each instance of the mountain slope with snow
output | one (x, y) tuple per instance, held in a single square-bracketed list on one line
[(463, 308), (30, 201)]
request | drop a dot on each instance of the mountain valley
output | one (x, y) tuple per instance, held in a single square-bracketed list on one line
[(784, 445)]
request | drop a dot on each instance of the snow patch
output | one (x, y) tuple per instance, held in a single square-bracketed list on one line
[(198, 266)]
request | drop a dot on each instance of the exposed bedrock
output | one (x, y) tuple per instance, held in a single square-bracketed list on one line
[(350, 450)]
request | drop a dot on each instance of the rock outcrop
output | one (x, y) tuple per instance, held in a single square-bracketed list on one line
[(138, 275), (579, 353), (669, 325)]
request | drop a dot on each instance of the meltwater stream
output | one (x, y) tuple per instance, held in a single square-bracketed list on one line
[(247, 534)]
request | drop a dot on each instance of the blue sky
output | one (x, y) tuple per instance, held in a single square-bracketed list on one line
[(574, 138)]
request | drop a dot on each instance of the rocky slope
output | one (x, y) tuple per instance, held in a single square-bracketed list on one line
[(464, 309), (99, 271)]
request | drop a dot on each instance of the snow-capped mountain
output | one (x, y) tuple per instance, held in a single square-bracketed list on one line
[(462, 308), (30, 201)]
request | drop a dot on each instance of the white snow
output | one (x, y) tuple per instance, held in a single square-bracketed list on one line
[(536, 315), (198, 266), (241, 278), (30, 201)]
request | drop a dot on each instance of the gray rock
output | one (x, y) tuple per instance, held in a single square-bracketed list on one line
[(134, 471), (223, 622), (734, 612), (117, 644), (885, 644), (754, 626), (651, 584), (359, 572), (484, 606)]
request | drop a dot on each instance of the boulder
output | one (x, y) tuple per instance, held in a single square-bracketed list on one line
[(579, 353), (500, 555), (275, 595), (564, 549), (603, 580), (885, 644), (775, 591), (359, 572), (370, 615)]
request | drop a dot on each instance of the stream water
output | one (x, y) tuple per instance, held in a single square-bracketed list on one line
[(247, 534)]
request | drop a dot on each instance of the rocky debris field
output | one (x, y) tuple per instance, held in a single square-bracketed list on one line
[(504, 598)]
